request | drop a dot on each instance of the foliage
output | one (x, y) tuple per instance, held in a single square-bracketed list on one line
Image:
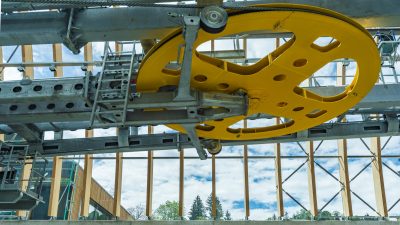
[(197, 211), (227, 215), (302, 215), (220, 212), (167, 211)]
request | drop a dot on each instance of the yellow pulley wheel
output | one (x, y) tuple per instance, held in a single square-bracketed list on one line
[(272, 84)]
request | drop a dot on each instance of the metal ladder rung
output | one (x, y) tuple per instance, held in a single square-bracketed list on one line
[(111, 100), (112, 90), (117, 61), (115, 79), (115, 71), (110, 111)]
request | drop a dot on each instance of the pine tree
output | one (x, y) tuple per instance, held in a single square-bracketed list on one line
[(220, 212), (197, 211), (227, 215)]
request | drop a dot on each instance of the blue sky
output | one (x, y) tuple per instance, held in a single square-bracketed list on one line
[(230, 171)]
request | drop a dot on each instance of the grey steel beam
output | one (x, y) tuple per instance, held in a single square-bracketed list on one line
[(168, 141), (68, 109), (136, 23)]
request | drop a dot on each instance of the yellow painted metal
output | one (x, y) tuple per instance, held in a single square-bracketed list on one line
[(272, 83)]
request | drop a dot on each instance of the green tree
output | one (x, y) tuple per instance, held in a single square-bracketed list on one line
[(302, 215), (227, 215), (220, 212), (167, 211), (325, 215), (197, 211)]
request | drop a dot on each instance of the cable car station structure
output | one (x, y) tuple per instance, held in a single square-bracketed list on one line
[(203, 95)]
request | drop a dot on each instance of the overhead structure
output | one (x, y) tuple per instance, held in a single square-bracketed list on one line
[(212, 98)]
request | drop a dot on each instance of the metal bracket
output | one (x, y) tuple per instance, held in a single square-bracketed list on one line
[(191, 132), (393, 123), (123, 137), (68, 40), (302, 134), (191, 27)]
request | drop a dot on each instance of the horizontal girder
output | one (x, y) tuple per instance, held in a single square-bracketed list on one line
[(170, 141), (135, 23)]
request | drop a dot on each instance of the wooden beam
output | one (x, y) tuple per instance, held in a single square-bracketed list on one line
[(213, 190), (278, 179), (377, 174), (1, 78), (57, 161), (25, 175), (246, 179), (88, 163), (1, 68), (55, 187), (88, 55), (27, 56), (87, 179), (57, 57), (118, 185), (312, 190), (181, 182), (278, 167), (149, 193), (118, 165), (342, 152), (344, 178)]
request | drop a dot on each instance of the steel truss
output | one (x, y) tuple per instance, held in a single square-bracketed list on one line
[(77, 26)]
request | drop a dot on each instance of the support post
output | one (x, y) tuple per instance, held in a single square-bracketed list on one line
[(312, 191), (2, 68), (57, 57), (57, 161), (27, 56), (181, 182), (149, 193), (1, 79), (88, 166), (87, 184), (278, 168), (342, 152), (377, 174), (246, 179), (118, 185), (55, 187), (213, 191)]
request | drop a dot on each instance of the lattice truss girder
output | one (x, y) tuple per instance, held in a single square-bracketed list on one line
[(328, 171)]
